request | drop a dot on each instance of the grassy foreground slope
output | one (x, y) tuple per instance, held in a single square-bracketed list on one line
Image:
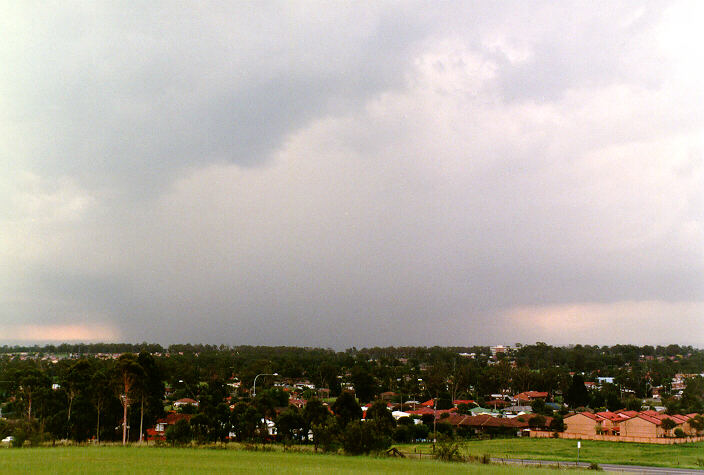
[(136, 460), (626, 453)]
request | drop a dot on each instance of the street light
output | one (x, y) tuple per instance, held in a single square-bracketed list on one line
[(254, 391)]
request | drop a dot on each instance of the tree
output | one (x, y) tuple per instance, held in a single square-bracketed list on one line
[(76, 383), (381, 418), (179, 433), (328, 377), (326, 434), (346, 409), (539, 407), (693, 395), (150, 390), (362, 438), (31, 381), (668, 424), (697, 423), (128, 375), (290, 424), (100, 382), (200, 427), (314, 413), (633, 404), (577, 394), (365, 387), (557, 424), (537, 421), (245, 420)]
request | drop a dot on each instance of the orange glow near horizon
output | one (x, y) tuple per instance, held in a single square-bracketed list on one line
[(69, 332)]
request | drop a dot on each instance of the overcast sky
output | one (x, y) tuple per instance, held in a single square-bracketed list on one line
[(352, 173)]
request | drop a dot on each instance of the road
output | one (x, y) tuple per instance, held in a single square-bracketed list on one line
[(607, 467)]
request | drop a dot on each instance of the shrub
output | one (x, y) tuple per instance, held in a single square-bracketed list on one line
[(536, 422), (403, 433), (557, 424), (679, 432), (179, 433), (362, 438), (448, 450)]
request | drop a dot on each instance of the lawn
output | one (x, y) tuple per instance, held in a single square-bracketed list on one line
[(678, 455), (135, 460)]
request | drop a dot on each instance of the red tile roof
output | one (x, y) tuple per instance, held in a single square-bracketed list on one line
[(497, 402), (585, 414), (173, 418), (457, 402), (529, 395)]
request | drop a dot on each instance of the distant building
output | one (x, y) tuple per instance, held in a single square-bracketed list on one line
[(499, 349)]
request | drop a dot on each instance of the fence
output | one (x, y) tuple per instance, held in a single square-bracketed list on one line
[(542, 434)]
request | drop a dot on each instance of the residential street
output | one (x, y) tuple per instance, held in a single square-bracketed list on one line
[(608, 467)]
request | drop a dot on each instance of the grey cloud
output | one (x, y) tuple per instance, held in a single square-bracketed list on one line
[(259, 174)]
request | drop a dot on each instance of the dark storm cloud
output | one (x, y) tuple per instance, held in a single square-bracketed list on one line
[(369, 174)]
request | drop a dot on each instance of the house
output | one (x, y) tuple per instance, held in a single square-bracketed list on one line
[(583, 424), (497, 403), (530, 396), (399, 414), (622, 423), (517, 410), (429, 410), (186, 401), (642, 425), (158, 432), (487, 424), (499, 350), (609, 423), (299, 403), (458, 402)]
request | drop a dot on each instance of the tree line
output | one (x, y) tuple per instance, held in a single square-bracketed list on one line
[(88, 397)]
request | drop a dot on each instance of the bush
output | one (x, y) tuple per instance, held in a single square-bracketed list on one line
[(448, 450), (362, 437), (403, 433), (420, 431), (679, 432), (557, 424), (537, 421), (179, 433), (18, 438)]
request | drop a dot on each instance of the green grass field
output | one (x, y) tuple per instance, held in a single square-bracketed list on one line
[(679, 455), (155, 460)]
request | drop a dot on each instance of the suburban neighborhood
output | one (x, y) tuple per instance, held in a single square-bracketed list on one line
[(186, 394)]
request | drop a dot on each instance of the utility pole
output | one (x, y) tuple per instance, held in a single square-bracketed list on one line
[(435, 419)]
